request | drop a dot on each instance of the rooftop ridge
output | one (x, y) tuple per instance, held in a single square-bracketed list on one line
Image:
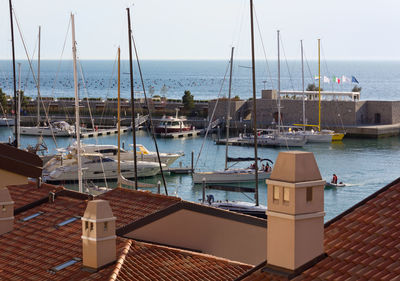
[(362, 202), (188, 252), (143, 192), (120, 262)]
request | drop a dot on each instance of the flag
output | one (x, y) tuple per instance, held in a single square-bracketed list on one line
[(345, 79), (337, 80), (354, 80), (327, 80), (316, 77)]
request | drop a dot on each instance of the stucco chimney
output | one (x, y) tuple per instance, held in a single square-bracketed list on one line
[(98, 235), (6, 211), (295, 211)]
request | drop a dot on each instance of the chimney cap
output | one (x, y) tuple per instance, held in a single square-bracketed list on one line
[(98, 209), (295, 166)]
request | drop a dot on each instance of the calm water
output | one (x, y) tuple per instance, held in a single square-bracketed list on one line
[(380, 80), (364, 165)]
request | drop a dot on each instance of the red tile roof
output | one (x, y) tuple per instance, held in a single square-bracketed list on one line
[(165, 263), (131, 205), (361, 244), (37, 245), (23, 195)]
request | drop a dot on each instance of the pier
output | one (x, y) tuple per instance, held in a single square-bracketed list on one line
[(183, 134)]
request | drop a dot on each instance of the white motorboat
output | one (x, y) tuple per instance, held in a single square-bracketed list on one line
[(229, 176), (143, 154), (169, 124), (271, 137), (4, 121), (331, 184), (96, 167), (58, 129)]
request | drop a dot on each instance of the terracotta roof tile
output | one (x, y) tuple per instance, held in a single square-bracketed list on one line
[(362, 244)]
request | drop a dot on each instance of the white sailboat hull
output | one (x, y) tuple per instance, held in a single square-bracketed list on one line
[(45, 131), (229, 176), (7, 121)]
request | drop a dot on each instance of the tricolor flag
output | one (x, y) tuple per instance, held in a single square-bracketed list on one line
[(354, 80), (345, 79), (338, 80), (327, 80), (316, 77)]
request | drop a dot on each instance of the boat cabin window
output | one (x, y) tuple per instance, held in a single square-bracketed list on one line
[(309, 194), (175, 123), (109, 150), (276, 193)]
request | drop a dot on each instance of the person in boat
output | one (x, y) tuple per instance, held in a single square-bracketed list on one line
[(334, 179), (252, 166), (267, 168)]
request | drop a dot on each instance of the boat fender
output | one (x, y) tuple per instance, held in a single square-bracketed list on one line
[(210, 199)]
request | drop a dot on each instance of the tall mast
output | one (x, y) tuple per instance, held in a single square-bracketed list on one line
[(319, 84), (279, 85), (253, 68), (132, 97), (228, 114), (77, 121), (14, 76), (19, 102), (302, 81), (38, 83), (119, 116)]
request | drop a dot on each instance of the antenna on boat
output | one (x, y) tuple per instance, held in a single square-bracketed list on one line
[(279, 83), (228, 114), (132, 98), (77, 121), (319, 85), (38, 81), (14, 76), (254, 103)]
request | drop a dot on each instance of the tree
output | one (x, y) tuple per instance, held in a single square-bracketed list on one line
[(356, 89), (312, 87), (3, 98), (188, 100)]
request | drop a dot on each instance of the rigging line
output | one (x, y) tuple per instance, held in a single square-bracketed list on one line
[(326, 66), (239, 27), (308, 66), (108, 89), (212, 115), (287, 65), (90, 115), (34, 78), (263, 47), (58, 70), (149, 111)]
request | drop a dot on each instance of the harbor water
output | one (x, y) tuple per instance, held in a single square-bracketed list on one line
[(365, 165)]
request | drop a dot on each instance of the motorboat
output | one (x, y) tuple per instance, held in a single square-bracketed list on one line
[(331, 184), (4, 121), (169, 124), (143, 154), (95, 166), (57, 128), (271, 137)]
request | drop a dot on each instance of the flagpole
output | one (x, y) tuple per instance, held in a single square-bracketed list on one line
[(302, 80), (319, 85)]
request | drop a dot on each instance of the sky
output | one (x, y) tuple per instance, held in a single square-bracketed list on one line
[(205, 29)]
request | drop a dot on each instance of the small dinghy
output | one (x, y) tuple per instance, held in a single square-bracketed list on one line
[(331, 184)]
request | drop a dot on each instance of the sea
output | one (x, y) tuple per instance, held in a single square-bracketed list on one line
[(364, 165)]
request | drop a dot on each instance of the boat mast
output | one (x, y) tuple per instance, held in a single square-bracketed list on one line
[(16, 126), (279, 87), (319, 85), (77, 121), (119, 117), (19, 102), (38, 82), (228, 114), (302, 81), (253, 68), (132, 97)]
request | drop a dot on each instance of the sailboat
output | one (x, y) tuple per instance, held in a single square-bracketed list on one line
[(58, 128), (254, 209), (229, 175), (313, 136)]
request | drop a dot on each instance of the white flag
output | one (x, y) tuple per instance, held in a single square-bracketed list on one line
[(327, 80), (345, 79)]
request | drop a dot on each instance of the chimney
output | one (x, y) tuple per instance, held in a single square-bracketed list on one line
[(98, 235), (6, 211), (295, 212)]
